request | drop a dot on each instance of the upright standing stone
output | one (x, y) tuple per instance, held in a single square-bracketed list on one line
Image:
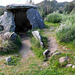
[(37, 35)]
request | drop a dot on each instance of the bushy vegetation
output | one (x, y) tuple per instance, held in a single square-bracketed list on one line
[(66, 32), (69, 7), (51, 6), (54, 17), (10, 46), (73, 11)]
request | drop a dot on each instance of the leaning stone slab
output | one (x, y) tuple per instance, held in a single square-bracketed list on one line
[(7, 21), (35, 18), (36, 34)]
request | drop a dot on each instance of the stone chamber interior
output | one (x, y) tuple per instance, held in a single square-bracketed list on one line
[(21, 21)]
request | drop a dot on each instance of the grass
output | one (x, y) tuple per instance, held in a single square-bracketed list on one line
[(59, 67), (25, 67), (14, 60), (70, 47), (34, 65), (37, 49), (48, 24)]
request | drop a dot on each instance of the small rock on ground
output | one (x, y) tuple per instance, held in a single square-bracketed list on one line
[(62, 59), (73, 66), (8, 59), (57, 53), (69, 65)]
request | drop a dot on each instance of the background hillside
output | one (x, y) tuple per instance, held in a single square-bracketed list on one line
[(54, 6), (2, 9)]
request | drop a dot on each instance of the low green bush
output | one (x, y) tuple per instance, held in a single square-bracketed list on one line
[(66, 31), (54, 17), (37, 49)]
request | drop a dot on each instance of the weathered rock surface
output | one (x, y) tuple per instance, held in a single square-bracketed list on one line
[(10, 36), (46, 52), (69, 65), (36, 34), (7, 21), (8, 59), (73, 66), (16, 55), (35, 18), (11, 19), (57, 53), (62, 59), (20, 6)]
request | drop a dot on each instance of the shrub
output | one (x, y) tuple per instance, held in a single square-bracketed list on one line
[(8, 45), (66, 31), (54, 17)]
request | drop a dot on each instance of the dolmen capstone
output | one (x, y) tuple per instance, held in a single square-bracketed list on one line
[(18, 18)]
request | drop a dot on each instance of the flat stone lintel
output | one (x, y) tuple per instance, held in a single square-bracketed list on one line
[(17, 6)]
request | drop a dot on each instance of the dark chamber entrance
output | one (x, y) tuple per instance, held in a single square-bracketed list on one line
[(21, 21)]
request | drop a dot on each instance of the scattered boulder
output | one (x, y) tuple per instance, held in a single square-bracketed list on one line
[(46, 52), (10, 36), (63, 59), (8, 59), (36, 34), (73, 66), (7, 35), (35, 18), (69, 65), (13, 36), (57, 53), (16, 55)]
